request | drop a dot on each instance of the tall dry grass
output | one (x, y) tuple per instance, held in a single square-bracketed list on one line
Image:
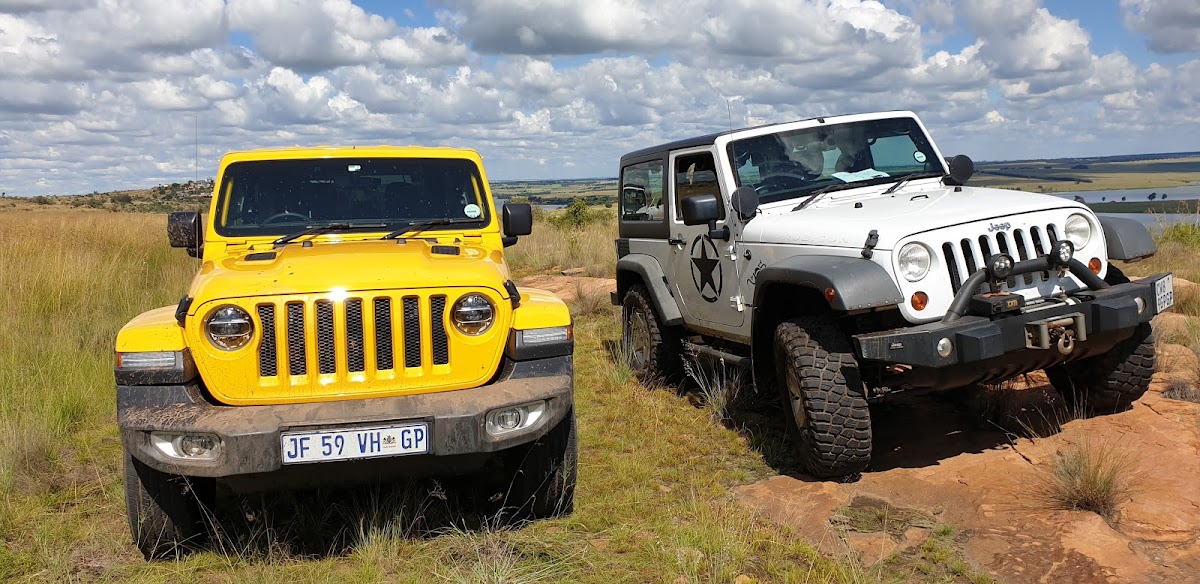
[(72, 279), (551, 247)]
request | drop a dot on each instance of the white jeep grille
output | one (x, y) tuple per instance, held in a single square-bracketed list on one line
[(963, 257)]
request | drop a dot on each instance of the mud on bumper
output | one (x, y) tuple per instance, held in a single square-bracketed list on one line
[(250, 435), (1109, 315)]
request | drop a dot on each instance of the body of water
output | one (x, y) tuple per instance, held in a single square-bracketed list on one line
[(1188, 193)]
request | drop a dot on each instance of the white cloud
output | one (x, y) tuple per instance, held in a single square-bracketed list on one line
[(1173, 26), (103, 94)]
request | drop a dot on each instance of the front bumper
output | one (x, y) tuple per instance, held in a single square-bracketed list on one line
[(1106, 312), (250, 435)]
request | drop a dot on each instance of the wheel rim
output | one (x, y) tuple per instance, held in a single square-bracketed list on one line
[(795, 397), (637, 340)]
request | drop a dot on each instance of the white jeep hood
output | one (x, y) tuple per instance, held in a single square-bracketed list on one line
[(834, 221)]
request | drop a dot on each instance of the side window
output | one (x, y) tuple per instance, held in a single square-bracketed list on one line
[(642, 191), (695, 174)]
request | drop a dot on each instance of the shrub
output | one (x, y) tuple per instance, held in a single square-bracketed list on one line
[(42, 200), (1187, 234), (577, 214), (1088, 477)]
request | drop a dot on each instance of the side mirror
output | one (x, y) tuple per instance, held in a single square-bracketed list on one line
[(516, 219), (183, 230), (745, 202), (961, 169), (701, 209)]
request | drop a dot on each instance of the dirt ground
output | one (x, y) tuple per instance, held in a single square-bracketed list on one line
[(934, 465)]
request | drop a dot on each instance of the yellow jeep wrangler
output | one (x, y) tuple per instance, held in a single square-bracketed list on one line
[(353, 320)]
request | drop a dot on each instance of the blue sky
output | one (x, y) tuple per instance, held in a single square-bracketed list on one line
[(104, 95)]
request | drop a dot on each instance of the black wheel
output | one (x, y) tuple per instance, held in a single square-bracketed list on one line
[(654, 351), (1115, 276), (166, 512), (542, 475), (824, 397), (1110, 382)]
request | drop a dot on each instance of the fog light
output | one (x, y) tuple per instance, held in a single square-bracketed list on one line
[(195, 445), (199, 446), (1094, 265), (513, 418), (1000, 266), (945, 347), (919, 300), (1063, 252), (508, 419)]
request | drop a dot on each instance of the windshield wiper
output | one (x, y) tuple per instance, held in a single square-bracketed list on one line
[(908, 177), (326, 228), (415, 226), (821, 192)]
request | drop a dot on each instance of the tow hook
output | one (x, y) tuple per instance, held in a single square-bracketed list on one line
[(1060, 332), (1066, 342)]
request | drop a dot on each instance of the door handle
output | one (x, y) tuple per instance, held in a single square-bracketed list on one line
[(675, 241)]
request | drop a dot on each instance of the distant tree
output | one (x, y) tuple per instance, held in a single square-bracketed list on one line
[(1153, 196), (1122, 198), (1079, 199), (122, 198), (1103, 198), (1164, 196), (41, 200)]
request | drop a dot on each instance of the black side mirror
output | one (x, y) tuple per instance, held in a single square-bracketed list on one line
[(701, 209), (961, 169), (745, 202), (183, 230), (516, 220)]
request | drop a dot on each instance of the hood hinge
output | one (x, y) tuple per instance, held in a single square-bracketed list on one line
[(869, 247), (181, 311)]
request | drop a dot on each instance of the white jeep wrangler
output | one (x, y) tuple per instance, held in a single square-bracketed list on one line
[(843, 258)]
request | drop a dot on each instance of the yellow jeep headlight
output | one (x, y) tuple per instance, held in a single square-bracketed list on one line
[(229, 327), (473, 314)]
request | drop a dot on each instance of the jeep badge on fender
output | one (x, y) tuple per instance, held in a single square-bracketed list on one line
[(843, 258)]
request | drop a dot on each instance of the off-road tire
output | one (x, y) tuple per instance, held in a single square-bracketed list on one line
[(819, 378), (166, 512), (1110, 382), (1115, 276), (661, 358), (542, 475)]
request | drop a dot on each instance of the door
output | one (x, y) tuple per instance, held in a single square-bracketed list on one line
[(704, 274)]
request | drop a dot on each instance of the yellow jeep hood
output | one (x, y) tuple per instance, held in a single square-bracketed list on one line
[(348, 266)]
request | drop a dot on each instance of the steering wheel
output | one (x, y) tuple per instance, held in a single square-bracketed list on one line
[(276, 217)]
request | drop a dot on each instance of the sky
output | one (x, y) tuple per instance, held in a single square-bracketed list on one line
[(98, 95)]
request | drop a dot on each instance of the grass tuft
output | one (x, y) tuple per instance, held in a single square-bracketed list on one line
[(719, 383), (1087, 476)]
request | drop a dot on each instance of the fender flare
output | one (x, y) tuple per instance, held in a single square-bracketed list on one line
[(1127, 239), (647, 268), (856, 283)]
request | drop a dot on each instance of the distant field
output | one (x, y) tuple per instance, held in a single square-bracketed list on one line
[(1069, 175)]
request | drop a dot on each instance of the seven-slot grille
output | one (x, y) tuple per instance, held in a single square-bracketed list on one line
[(967, 255), (353, 312)]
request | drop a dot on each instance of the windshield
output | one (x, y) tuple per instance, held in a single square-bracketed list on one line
[(272, 197), (798, 163)]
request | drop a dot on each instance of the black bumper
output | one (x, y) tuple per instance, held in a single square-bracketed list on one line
[(1107, 313), (250, 435)]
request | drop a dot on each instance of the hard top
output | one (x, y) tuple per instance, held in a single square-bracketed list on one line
[(709, 139)]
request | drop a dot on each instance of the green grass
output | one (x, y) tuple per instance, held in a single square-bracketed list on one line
[(654, 478)]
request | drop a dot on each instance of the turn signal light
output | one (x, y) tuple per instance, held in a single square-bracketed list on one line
[(1094, 265), (919, 300), (830, 294)]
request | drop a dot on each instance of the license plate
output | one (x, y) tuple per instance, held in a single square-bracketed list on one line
[(1164, 293), (324, 445)]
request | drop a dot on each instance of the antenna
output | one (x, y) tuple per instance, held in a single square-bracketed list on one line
[(196, 159)]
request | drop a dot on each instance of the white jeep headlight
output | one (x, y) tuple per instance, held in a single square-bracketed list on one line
[(914, 261), (229, 327), (473, 314), (1077, 230)]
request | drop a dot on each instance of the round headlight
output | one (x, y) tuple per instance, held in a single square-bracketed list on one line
[(473, 314), (914, 261), (1077, 230), (229, 328)]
